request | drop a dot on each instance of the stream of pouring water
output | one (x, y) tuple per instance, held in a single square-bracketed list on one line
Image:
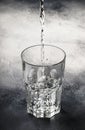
[(42, 20)]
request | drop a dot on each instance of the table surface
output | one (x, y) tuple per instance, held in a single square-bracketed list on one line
[(13, 114)]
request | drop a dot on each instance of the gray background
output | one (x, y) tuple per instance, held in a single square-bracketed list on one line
[(20, 28)]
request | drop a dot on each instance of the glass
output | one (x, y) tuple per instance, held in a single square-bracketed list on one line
[(43, 90)]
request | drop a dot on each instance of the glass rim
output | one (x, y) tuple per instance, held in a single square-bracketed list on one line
[(42, 65)]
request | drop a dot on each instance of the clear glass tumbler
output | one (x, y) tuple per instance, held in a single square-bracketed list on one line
[(43, 83)]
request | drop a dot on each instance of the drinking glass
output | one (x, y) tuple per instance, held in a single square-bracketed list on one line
[(43, 82)]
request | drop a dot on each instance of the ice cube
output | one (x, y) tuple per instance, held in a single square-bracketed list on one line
[(53, 73), (42, 79), (55, 83), (32, 75), (41, 82)]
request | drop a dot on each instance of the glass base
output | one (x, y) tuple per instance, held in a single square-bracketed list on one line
[(44, 113)]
